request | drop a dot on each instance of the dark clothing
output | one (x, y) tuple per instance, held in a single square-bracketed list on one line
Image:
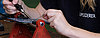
[(83, 18), (2, 11)]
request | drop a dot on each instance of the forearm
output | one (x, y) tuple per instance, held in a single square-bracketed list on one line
[(75, 32), (33, 13)]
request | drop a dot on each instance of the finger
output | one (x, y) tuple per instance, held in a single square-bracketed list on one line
[(7, 12), (52, 24), (51, 12), (6, 2), (52, 9), (14, 11), (15, 1), (10, 7), (45, 16), (51, 19), (11, 11), (58, 11)]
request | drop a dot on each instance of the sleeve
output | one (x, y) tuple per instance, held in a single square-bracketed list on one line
[(49, 4), (2, 11)]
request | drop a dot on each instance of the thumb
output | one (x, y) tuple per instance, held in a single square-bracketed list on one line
[(15, 1), (45, 16)]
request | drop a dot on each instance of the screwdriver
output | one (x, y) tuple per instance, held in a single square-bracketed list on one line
[(19, 7)]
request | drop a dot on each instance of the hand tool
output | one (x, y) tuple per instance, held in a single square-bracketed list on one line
[(19, 7)]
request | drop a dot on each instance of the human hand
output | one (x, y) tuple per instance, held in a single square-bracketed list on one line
[(9, 6), (57, 20)]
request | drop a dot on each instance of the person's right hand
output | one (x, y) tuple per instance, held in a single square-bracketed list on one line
[(9, 6), (57, 20)]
